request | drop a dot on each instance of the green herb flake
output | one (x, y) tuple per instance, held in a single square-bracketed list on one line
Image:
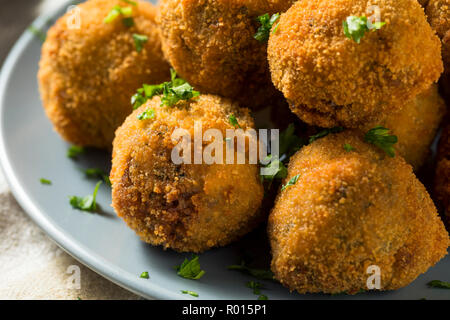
[(261, 274), (324, 133), (75, 151), (128, 22), (348, 147), (147, 114), (117, 11), (380, 137), (291, 182), (355, 27), (256, 286), (87, 203), (45, 181), (275, 169), (130, 2), (144, 275), (266, 21), (263, 297), (97, 173), (37, 33), (192, 293), (190, 269), (139, 41), (233, 121), (439, 284), (289, 142)]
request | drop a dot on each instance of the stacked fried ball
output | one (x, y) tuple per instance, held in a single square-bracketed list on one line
[(360, 74)]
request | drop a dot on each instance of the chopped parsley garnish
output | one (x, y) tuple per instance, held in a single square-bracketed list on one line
[(324, 133), (275, 169), (87, 203), (139, 41), (266, 21), (37, 33), (172, 92), (130, 2), (256, 286), (74, 151), (263, 297), (289, 142), (233, 121), (117, 11), (380, 137), (190, 269), (97, 173), (192, 293), (144, 275), (291, 182), (45, 181), (356, 27), (147, 114), (348, 147), (257, 273), (128, 22), (439, 284)]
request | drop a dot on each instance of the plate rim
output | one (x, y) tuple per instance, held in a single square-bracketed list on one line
[(71, 246)]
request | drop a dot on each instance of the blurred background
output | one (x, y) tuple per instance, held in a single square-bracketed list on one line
[(15, 17)]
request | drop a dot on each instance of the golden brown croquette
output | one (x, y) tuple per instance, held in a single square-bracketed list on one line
[(331, 80), (211, 44), (415, 125), (347, 211), (88, 75), (185, 207)]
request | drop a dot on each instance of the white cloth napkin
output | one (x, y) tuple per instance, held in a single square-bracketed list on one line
[(33, 267)]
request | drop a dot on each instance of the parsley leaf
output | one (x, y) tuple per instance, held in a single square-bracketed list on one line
[(97, 173), (233, 121), (173, 94), (144, 275), (356, 27), (291, 182), (130, 2), (139, 41), (192, 293), (275, 169), (257, 273), (324, 133), (190, 269), (263, 297), (37, 33), (117, 11), (256, 286), (147, 114), (74, 151), (45, 181), (266, 21), (439, 284), (380, 137), (289, 142), (348, 147), (87, 203)]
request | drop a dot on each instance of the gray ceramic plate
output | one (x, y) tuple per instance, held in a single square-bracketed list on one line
[(30, 149)]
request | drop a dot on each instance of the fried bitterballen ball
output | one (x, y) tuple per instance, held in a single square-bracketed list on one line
[(88, 73), (331, 80), (415, 125), (351, 208), (185, 207), (211, 44)]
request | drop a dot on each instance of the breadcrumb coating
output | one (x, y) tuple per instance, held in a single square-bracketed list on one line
[(211, 44), (415, 125), (348, 211), (330, 80), (88, 75), (186, 207)]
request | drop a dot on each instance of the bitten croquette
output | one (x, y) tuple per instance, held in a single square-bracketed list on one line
[(87, 75), (350, 210), (185, 207), (331, 80), (415, 125), (211, 44)]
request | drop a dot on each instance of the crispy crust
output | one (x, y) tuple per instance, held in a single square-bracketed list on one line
[(187, 207), (87, 76), (331, 80), (210, 43), (350, 210)]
